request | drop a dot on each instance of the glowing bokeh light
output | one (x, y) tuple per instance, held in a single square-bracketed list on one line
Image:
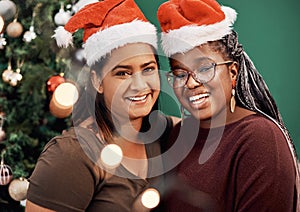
[(111, 156), (150, 198), (66, 94)]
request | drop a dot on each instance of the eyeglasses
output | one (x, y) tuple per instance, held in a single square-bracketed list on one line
[(203, 74)]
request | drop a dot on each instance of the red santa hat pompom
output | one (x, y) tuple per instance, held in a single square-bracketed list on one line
[(107, 25), (186, 24)]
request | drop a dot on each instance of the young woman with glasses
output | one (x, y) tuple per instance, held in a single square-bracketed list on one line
[(238, 155)]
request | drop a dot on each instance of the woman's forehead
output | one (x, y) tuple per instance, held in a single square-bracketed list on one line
[(130, 50), (127, 52), (196, 56)]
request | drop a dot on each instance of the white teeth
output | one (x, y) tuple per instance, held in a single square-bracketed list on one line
[(197, 97), (137, 98)]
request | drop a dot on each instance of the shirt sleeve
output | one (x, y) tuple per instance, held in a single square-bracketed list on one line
[(266, 176), (64, 178)]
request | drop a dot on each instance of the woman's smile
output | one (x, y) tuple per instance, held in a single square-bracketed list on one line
[(138, 99), (198, 99)]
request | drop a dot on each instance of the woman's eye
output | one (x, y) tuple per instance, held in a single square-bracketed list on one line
[(122, 73), (204, 69), (179, 74), (149, 70)]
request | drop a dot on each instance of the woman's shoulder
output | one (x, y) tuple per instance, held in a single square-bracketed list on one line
[(257, 124), (67, 140), (64, 140), (260, 134), (71, 150), (75, 143)]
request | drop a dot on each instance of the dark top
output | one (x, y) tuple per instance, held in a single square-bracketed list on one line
[(68, 176), (246, 166)]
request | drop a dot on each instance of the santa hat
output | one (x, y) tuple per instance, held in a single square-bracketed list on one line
[(107, 25), (186, 24)]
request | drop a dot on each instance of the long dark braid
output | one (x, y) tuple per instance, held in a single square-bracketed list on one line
[(252, 92)]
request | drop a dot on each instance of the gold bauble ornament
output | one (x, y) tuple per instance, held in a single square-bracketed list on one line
[(14, 29), (6, 74), (62, 17), (17, 189)]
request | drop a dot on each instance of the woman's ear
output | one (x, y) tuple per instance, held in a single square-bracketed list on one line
[(96, 82), (234, 70)]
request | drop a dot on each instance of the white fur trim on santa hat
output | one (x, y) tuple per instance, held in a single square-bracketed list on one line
[(104, 41), (187, 37), (63, 37)]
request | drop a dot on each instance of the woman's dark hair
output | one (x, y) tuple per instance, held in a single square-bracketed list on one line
[(251, 90), (91, 104)]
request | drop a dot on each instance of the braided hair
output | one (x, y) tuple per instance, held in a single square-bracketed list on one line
[(252, 92)]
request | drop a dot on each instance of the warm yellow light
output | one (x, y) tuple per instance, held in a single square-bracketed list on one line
[(150, 198), (1, 24), (111, 156), (63, 99), (66, 94)]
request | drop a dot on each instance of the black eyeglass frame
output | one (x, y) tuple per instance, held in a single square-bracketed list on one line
[(214, 65)]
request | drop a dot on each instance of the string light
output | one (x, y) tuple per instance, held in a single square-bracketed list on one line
[(111, 156), (66, 94), (1, 24), (63, 99), (150, 198)]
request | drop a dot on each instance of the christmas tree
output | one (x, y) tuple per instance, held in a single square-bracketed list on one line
[(32, 66)]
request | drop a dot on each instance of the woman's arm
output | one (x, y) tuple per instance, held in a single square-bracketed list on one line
[(31, 207)]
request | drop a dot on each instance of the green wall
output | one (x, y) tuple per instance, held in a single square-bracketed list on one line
[(270, 34)]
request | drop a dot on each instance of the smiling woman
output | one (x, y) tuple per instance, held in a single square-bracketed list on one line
[(129, 83), (242, 157), (104, 160)]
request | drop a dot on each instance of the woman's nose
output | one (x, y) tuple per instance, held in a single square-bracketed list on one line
[(191, 82), (138, 81)]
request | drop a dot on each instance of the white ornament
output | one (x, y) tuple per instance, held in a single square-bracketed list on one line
[(29, 35), (62, 17), (13, 82), (2, 41), (15, 77), (12, 77), (8, 9)]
